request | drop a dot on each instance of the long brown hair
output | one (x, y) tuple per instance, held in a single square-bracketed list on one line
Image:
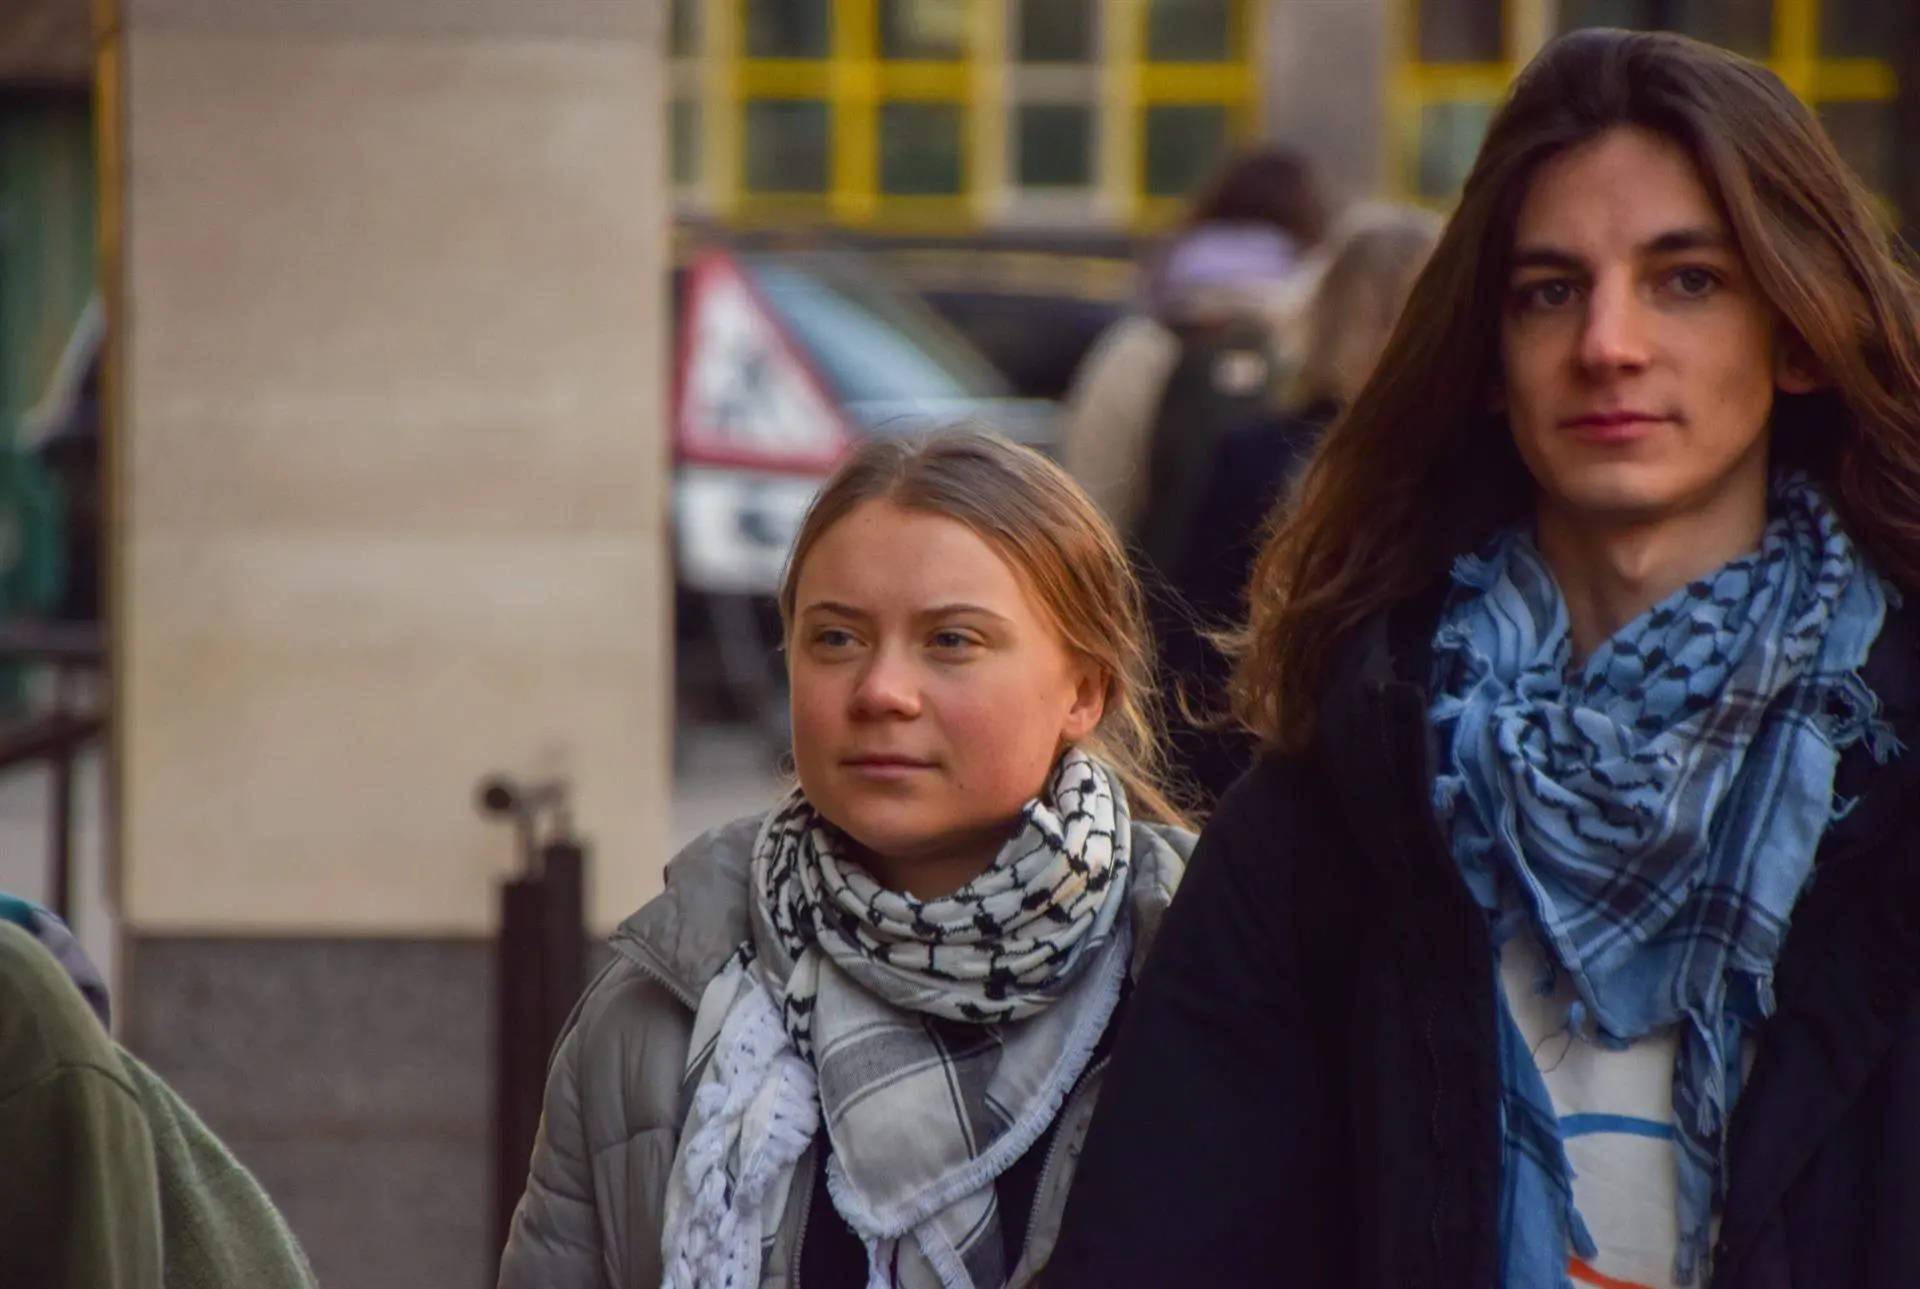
[(1276, 185), (1054, 538), (1359, 296), (1419, 470)]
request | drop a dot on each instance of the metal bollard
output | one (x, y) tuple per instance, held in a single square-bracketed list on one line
[(540, 968)]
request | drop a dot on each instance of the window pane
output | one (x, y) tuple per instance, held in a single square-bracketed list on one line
[(1743, 25), (1190, 31), (1635, 15), (923, 29), (1858, 28), (685, 127), (1461, 31), (920, 149), (686, 28), (1863, 132), (1056, 145), (787, 147), (787, 28), (1055, 31), (1450, 135), (1183, 146)]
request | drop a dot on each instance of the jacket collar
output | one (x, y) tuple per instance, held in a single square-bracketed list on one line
[(684, 935)]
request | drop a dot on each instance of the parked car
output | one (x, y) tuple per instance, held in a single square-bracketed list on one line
[(786, 359)]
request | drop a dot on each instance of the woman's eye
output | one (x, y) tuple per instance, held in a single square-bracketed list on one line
[(948, 641), (833, 638)]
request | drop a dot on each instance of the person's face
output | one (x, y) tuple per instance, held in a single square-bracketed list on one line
[(931, 695), (1639, 357)]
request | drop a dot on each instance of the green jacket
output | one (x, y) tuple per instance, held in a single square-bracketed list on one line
[(109, 1180)]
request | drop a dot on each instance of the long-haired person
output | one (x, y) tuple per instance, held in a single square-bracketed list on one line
[(1245, 251), (858, 1039), (1569, 930), (1346, 322)]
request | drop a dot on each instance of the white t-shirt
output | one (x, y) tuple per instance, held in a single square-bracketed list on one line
[(1616, 1117)]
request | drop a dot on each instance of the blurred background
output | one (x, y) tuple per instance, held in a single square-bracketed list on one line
[(397, 393)]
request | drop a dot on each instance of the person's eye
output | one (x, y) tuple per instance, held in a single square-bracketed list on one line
[(1693, 282), (1545, 295), (951, 641), (833, 638)]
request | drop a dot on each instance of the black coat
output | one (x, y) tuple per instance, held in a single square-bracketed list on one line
[(1306, 1090), (1207, 586)]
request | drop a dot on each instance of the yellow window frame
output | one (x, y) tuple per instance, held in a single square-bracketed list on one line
[(1139, 84), (854, 82), (1414, 85)]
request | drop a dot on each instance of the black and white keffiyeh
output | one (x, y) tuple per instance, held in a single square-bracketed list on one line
[(838, 1013)]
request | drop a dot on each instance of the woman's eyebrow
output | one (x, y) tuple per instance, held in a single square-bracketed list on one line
[(957, 609), (836, 608)]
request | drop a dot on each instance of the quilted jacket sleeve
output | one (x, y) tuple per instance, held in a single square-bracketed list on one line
[(596, 1189), (555, 1242)]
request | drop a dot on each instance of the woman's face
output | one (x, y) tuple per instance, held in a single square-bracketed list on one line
[(931, 694)]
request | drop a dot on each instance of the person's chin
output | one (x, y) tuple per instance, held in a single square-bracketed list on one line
[(1614, 492)]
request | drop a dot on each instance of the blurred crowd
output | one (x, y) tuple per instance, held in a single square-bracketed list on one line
[(1256, 321)]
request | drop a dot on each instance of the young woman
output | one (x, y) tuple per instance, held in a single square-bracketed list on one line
[(1569, 931), (1348, 317), (857, 1040), (1245, 250)]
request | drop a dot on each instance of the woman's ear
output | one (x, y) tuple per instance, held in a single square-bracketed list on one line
[(1090, 686)]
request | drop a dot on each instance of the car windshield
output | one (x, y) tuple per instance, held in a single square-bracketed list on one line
[(870, 342)]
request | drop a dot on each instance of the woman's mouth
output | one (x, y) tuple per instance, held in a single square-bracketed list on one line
[(886, 767)]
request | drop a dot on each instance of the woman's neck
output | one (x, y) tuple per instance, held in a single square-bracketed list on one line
[(938, 868)]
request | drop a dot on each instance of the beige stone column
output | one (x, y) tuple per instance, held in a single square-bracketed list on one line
[(1324, 85), (391, 470)]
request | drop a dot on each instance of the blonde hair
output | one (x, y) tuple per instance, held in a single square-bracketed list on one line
[(1347, 320), (1038, 520)]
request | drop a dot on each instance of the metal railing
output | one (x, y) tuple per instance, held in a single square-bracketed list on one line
[(57, 736)]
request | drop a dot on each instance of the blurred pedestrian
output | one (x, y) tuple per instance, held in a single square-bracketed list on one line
[(1588, 640), (1344, 326), (107, 1179), (1239, 259), (861, 1034)]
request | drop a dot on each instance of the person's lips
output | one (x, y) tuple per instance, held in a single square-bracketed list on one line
[(886, 766), (1613, 427)]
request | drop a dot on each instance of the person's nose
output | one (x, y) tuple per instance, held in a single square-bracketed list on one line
[(888, 685), (1614, 338)]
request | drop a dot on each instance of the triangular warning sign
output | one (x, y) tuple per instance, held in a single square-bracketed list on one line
[(747, 394)]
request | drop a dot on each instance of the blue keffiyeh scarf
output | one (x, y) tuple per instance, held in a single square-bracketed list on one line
[(1653, 815)]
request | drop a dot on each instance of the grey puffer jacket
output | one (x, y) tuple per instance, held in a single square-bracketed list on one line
[(595, 1201)]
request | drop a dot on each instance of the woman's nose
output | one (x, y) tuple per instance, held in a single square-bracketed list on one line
[(888, 685)]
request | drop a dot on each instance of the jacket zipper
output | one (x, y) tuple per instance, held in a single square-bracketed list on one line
[(806, 1215), (1053, 1154), (641, 957)]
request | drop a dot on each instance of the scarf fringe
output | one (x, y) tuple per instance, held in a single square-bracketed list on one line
[(718, 1231)]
